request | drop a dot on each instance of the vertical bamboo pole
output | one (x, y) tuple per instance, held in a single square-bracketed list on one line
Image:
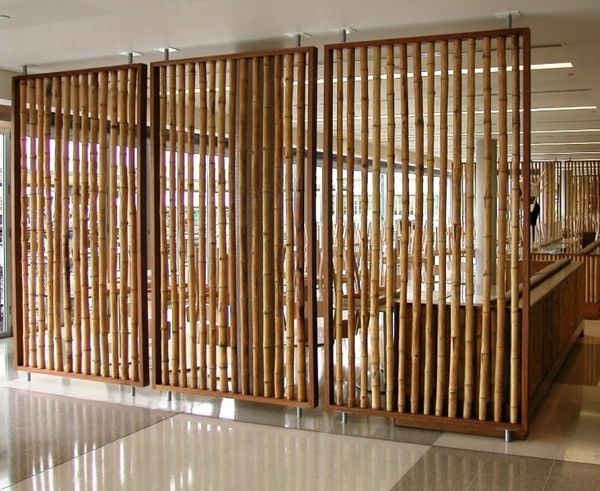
[(77, 368), (202, 318), (58, 202), (268, 294), (376, 237), (441, 366), (364, 240), (181, 245), (339, 240), (232, 279), (164, 253), (484, 379), (256, 229), (65, 228), (223, 302), (93, 219), (112, 226), (123, 239), (289, 227), (192, 275), (456, 234), (429, 338), (48, 225), (501, 254), (83, 226), (243, 180), (415, 383), (351, 273), (102, 225), (403, 324), (299, 217), (33, 183), (515, 338), (470, 236), (212, 228), (278, 229), (390, 256), (25, 213), (132, 225), (174, 287)]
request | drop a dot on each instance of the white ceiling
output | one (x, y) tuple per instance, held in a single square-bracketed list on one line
[(57, 34)]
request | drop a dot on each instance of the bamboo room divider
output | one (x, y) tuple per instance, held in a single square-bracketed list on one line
[(233, 275), (416, 105), (79, 262), (582, 196)]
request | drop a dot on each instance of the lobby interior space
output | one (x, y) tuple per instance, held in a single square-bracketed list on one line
[(281, 245)]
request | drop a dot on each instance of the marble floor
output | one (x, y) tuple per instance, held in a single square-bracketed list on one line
[(70, 434)]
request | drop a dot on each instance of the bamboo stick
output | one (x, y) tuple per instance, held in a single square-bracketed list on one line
[(255, 271), (515, 341), (173, 283), (501, 254), (164, 253), (57, 235), (83, 227), (278, 229), (268, 294), (232, 279), (339, 240), (48, 227), (181, 240), (192, 274), (112, 225), (441, 366), (202, 318), (415, 384), (33, 175), (350, 246), (243, 179), (123, 238), (102, 244), (299, 216), (132, 223), (469, 380), (77, 280), (364, 243), (223, 302), (403, 322), (65, 228), (376, 238), (484, 379), (25, 214), (456, 234), (289, 228), (429, 339), (390, 256), (93, 219)]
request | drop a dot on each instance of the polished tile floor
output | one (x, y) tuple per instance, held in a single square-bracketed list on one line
[(69, 434)]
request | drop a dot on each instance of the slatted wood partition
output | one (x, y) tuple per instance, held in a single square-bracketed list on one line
[(79, 263), (233, 274), (459, 360)]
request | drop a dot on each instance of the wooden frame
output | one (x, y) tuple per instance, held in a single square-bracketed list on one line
[(137, 75), (518, 422), (258, 129)]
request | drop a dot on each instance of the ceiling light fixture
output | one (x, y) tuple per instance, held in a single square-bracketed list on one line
[(566, 143), (5, 17), (130, 53), (584, 130), (168, 49)]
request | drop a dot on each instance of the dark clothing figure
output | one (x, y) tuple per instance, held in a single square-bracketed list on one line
[(534, 214)]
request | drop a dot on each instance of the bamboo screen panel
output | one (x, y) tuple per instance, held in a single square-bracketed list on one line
[(78, 207), (545, 180), (234, 273), (582, 197), (417, 106)]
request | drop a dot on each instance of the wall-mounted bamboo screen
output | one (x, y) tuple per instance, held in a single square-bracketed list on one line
[(79, 267), (396, 240), (581, 189), (234, 183)]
